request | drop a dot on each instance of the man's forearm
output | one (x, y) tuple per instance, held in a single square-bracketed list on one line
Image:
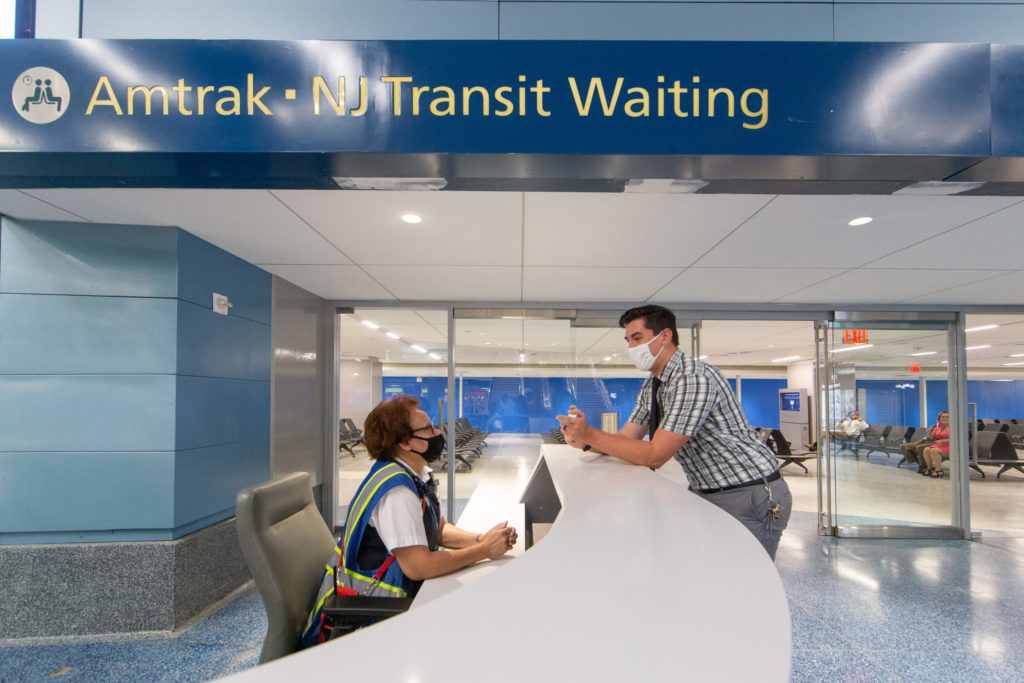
[(632, 451)]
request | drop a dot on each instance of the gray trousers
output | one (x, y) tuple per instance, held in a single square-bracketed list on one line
[(749, 504)]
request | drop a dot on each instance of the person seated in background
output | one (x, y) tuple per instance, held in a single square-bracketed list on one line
[(395, 535), (913, 451), (939, 451), (853, 426)]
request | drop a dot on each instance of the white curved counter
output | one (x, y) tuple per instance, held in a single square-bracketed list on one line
[(638, 579)]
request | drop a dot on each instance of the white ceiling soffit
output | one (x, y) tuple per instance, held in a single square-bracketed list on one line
[(629, 248)]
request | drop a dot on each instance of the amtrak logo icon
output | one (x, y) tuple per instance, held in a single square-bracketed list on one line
[(41, 95)]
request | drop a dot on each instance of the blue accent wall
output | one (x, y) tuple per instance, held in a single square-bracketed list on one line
[(893, 402), (759, 399), (129, 410), (529, 405)]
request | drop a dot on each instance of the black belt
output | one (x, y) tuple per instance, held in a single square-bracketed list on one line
[(771, 477)]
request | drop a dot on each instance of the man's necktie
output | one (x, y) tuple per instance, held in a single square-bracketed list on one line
[(655, 408)]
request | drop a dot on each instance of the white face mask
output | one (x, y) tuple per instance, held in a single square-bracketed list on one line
[(641, 355)]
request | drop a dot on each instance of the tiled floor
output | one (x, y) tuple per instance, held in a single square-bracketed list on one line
[(862, 610)]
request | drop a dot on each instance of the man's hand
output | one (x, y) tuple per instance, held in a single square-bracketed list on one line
[(574, 427)]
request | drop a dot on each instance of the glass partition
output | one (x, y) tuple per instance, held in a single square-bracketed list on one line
[(383, 352), (881, 385), (995, 390)]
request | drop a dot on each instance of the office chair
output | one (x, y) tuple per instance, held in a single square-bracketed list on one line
[(286, 543)]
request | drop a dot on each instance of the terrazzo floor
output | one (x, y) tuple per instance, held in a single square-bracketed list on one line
[(862, 610)]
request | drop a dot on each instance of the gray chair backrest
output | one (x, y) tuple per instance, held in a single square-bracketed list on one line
[(994, 445), (287, 545)]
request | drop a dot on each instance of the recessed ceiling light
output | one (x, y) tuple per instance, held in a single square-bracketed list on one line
[(983, 327), (411, 218), (863, 220), (702, 358), (925, 353), (782, 360), (418, 349), (434, 356), (1021, 363), (607, 358), (1016, 355), (974, 348), (853, 348), (392, 335), (371, 325)]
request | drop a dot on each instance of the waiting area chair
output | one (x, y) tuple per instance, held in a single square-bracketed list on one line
[(349, 436), (287, 545), (995, 449), (784, 451)]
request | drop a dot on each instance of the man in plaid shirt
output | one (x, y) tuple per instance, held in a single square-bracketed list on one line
[(695, 417)]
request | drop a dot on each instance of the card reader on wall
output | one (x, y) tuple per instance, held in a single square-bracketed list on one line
[(221, 304)]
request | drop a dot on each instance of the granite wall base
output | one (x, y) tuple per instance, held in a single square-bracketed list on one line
[(96, 588)]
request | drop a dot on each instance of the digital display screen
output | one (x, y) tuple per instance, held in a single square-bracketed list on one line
[(790, 400)]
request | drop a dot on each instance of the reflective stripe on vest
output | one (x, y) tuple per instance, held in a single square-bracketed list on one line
[(356, 513)]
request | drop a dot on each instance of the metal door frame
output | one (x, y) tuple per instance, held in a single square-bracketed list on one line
[(828, 504)]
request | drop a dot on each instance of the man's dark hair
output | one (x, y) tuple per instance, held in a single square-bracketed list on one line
[(656, 319)]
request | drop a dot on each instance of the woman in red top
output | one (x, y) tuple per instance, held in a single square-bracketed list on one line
[(934, 455)]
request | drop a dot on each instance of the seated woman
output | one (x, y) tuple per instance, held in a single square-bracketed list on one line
[(934, 455), (394, 531)]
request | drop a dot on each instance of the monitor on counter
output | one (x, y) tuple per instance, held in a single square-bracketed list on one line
[(789, 400)]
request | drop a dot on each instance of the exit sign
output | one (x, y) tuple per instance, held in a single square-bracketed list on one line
[(855, 336)]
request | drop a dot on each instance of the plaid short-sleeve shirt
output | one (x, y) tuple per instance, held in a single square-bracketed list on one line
[(698, 402)]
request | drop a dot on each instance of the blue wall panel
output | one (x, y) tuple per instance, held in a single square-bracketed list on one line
[(530, 404), (88, 258), (207, 479), (215, 345), (72, 492), (205, 269), (666, 21), (759, 399), (212, 411), (86, 413), (891, 402), (932, 22), (936, 398), (296, 20), (996, 400), (82, 334)]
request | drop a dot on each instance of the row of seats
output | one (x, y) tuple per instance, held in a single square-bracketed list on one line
[(783, 449), (349, 436), (470, 442), (994, 444)]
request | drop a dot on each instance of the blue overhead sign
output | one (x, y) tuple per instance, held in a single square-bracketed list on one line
[(541, 97)]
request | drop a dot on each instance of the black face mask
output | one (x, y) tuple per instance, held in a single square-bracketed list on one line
[(435, 447)]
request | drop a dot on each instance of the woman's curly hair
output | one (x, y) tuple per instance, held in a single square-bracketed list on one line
[(387, 425)]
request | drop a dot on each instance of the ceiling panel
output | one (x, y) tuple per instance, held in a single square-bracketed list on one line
[(458, 228), (812, 231), (251, 224), (753, 285), (450, 283), (333, 282), (541, 283), (17, 204), (995, 241), (648, 230), (1005, 289), (883, 286)]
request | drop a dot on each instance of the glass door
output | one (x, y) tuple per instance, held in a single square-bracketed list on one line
[(882, 380)]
